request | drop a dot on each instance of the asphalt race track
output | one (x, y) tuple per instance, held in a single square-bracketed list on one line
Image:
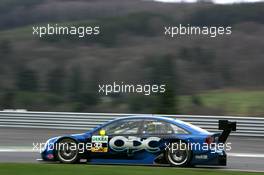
[(16, 145)]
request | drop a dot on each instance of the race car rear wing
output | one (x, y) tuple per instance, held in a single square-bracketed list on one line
[(227, 128)]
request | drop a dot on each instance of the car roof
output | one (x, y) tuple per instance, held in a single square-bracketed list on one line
[(187, 126)]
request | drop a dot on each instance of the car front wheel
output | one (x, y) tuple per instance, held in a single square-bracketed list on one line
[(67, 151)]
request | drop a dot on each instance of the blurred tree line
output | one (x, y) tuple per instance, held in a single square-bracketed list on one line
[(71, 89)]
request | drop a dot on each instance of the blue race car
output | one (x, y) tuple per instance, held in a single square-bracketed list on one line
[(143, 140)]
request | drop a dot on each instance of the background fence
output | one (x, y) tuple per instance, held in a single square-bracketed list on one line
[(246, 126)]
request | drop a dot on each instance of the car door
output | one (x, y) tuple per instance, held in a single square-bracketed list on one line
[(120, 141), (161, 130)]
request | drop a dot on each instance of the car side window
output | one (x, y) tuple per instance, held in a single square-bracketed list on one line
[(156, 127), (123, 127), (178, 130)]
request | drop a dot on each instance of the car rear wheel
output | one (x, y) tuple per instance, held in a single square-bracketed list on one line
[(178, 155), (67, 151)]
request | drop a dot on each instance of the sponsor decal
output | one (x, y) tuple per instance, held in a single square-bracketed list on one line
[(133, 144), (203, 157), (100, 139), (99, 144)]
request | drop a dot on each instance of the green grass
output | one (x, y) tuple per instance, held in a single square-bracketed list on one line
[(44, 169), (231, 102)]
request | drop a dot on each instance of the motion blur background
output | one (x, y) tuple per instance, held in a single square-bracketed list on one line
[(204, 75)]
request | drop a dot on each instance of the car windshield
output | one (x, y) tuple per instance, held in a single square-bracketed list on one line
[(130, 126)]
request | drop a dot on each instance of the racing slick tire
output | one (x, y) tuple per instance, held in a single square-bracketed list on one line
[(67, 152), (178, 157)]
